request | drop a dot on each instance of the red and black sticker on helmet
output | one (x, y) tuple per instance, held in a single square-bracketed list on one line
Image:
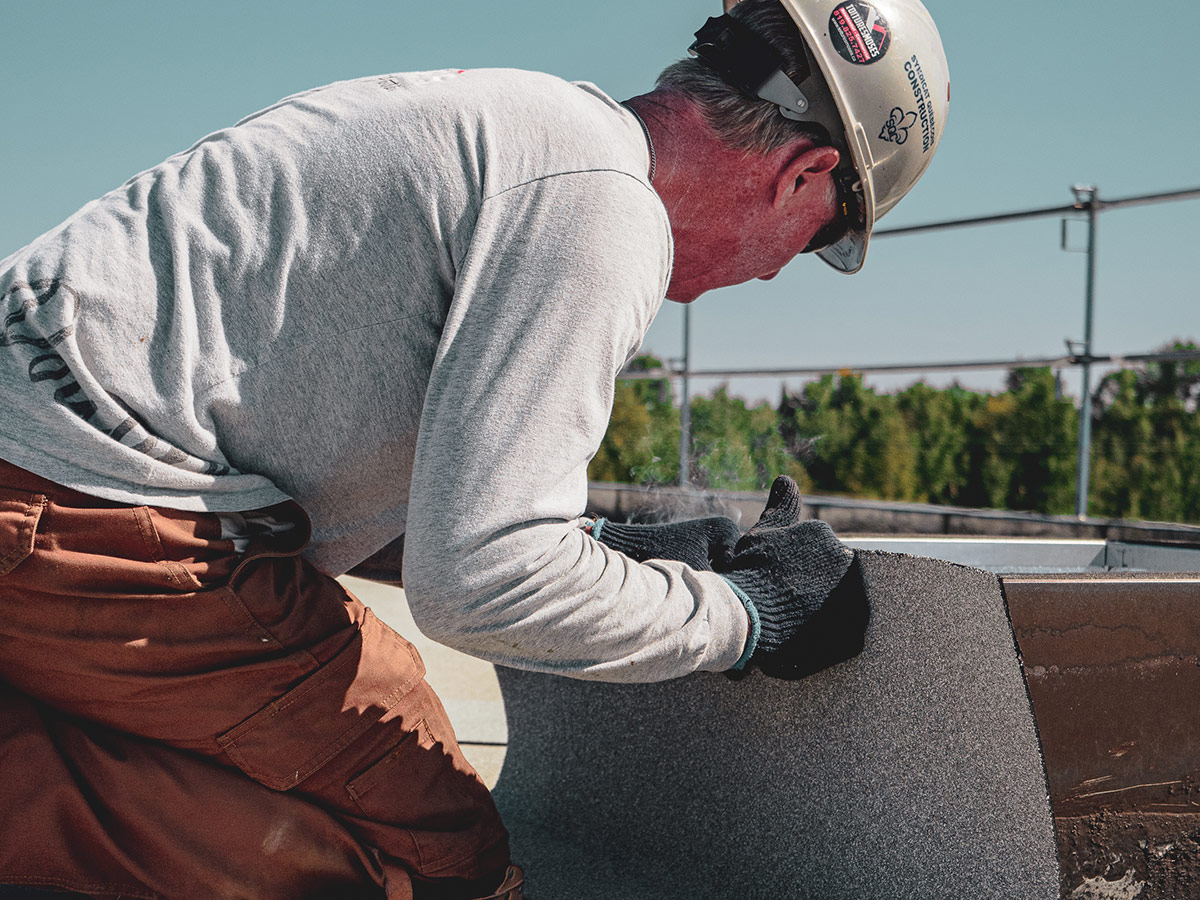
[(859, 33)]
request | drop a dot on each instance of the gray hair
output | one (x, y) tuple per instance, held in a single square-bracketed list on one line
[(743, 122)]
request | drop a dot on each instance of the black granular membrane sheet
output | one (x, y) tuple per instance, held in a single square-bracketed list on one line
[(912, 771)]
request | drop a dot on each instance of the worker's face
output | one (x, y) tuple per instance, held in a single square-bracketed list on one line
[(764, 225)]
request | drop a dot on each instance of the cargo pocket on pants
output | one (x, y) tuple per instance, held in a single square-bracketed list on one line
[(445, 810), (294, 736), (19, 516)]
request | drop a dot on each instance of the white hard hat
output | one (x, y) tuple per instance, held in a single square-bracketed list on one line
[(883, 93)]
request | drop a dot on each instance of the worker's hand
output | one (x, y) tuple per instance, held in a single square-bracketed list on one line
[(704, 544), (804, 585)]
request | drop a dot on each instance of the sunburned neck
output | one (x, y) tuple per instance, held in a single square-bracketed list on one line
[(709, 190)]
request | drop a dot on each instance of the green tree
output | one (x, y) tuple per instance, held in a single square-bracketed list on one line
[(1146, 452), (641, 445), (1028, 437), (1124, 471), (735, 447), (941, 425), (850, 439)]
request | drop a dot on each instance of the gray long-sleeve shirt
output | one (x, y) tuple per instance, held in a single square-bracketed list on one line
[(401, 301)]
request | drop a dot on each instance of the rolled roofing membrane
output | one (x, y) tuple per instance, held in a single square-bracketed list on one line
[(913, 771)]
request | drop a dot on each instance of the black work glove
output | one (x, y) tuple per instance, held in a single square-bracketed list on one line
[(702, 544), (803, 583)]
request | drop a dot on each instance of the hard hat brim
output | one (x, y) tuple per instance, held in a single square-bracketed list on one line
[(848, 254)]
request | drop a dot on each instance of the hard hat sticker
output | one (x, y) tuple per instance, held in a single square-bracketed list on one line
[(858, 32), (895, 129)]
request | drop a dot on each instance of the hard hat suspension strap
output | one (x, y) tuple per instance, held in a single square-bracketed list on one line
[(748, 62)]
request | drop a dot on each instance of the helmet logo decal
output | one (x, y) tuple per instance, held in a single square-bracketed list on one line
[(895, 129), (858, 32)]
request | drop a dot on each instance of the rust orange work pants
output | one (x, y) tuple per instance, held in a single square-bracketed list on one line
[(180, 721)]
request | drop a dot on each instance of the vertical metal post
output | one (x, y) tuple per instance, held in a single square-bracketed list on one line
[(685, 409), (1089, 195)]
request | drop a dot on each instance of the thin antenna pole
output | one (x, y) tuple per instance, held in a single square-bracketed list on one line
[(685, 409), (1089, 195)]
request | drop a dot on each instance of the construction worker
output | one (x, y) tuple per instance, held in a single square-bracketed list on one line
[(377, 325)]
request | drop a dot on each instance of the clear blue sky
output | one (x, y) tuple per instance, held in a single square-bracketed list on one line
[(1045, 94)]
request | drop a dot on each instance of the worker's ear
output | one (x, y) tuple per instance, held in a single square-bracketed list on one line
[(806, 165), (730, 4)]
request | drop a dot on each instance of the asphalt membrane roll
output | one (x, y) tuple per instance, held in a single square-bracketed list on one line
[(913, 771)]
